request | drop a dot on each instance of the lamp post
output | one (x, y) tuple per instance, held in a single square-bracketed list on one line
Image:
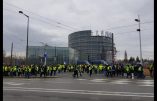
[(112, 48), (139, 30), (27, 35)]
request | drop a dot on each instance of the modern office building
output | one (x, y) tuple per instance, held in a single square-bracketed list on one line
[(92, 47), (55, 55)]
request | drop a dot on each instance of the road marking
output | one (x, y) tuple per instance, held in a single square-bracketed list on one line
[(63, 82), (144, 83), (119, 83), (80, 79), (8, 82), (97, 81), (84, 93), (14, 84), (146, 80), (122, 81), (75, 90), (58, 82), (147, 85), (81, 92)]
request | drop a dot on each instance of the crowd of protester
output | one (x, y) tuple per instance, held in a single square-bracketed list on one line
[(114, 70)]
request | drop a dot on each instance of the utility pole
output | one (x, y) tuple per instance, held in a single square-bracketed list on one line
[(112, 49), (55, 55), (11, 53), (139, 30), (35, 57)]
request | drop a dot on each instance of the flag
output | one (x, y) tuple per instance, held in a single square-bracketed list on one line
[(45, 56)]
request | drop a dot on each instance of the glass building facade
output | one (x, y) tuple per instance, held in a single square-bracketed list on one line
[(91, 47), (55, 55)]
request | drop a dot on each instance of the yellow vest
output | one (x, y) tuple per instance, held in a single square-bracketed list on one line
[(132, 67), (151, 67), (63, 66), (26, 69), (109, 68), (60, 67), (100, 67), (50, 68), (3, 68), (54, 68), (127, 69), (6, 68), (29, 69), (90, 68), (140, 69), (37, 68), (14, 69)]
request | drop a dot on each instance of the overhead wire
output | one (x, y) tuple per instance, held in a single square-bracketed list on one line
[(71, 27), (128, 25), (20, 40), (128, 32), (41, 16), (38, 19)]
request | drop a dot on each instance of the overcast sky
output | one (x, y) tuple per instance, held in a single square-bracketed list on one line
[(51, 21)]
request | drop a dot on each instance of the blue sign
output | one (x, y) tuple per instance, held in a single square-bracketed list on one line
[(45, 55)]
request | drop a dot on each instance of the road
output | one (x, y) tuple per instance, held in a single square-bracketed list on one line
[(81, 89)]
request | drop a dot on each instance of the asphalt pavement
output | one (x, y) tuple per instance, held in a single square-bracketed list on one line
[(66, 88)]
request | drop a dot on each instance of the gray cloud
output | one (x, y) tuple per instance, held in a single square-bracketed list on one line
[(80, 15)]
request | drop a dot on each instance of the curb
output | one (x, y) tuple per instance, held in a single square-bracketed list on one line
[(32, 77)]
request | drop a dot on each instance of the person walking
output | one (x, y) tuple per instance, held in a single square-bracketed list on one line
[(55, 69), (90, 70), (105, 70), (80, 70), (132, 71), (151, 67), (51, 70), (126, 70), (19, 71), (41, 71), (14, 70), (75, 71), (29, 71), (140, 71)]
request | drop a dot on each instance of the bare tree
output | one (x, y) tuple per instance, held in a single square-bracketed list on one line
[(4, 53)]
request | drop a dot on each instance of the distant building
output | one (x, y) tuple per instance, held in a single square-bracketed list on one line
[(55, 55), (91, 47), (125, 56)]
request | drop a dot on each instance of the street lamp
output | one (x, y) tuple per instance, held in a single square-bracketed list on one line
[(27, 35), (138, 20)]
